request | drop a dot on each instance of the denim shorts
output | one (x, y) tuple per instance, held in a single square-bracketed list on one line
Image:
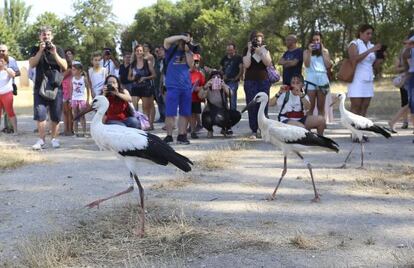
[(41, 104), (178, 98)]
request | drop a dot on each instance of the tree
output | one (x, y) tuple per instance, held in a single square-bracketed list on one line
[(16, 14), (94, 27), (62, 30), (7, 37)]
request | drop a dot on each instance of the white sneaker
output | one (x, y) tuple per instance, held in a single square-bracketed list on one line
[(40, 144), (55, 143)]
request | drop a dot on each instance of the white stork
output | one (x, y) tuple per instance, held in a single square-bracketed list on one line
[(358, 125), (290, 139), (132, 146)]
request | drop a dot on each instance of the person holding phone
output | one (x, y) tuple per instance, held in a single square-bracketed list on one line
[(317, 61)]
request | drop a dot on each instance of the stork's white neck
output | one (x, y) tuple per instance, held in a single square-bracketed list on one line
[(342, 109), (261, 118), (97, 118)]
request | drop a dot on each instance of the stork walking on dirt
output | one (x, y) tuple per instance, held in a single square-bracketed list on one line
[(132, 146), (290, 139), (358, 125)]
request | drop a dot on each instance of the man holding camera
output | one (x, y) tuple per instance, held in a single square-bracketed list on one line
[(179, 58), (109, 62), (47, 57)]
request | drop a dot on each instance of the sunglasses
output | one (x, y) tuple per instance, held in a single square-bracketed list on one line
[(1, 50)]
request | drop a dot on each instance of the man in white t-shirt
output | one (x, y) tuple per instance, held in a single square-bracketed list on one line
[(294, 105), (109, 62)]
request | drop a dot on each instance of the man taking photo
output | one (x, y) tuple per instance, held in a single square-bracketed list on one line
[(47, 57), (179, 58)]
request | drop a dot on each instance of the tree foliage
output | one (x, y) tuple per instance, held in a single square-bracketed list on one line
[(215, 22)]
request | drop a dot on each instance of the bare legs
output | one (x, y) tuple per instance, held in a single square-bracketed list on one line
[(41, 126), (360, 106), (309, 166)]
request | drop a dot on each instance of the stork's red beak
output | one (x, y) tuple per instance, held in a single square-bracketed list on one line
[(87, 110)]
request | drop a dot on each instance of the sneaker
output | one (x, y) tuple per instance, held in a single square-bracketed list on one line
[(194, 135), (253, 136), (168, 139), (258, 134), (404, 125), (55, 143), (182, 139), (39, 145)]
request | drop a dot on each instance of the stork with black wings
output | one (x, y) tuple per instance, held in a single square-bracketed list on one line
[(358, 125), (132, 146), (290, 139)]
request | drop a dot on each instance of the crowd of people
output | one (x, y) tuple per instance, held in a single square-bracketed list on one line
[(173, 76)]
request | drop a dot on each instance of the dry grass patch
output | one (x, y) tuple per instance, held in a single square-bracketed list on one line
[(216, 159), (179, 182), (302, 242), (108, 241), (396, 180), (14, 156)]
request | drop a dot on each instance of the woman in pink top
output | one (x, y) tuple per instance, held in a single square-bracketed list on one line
[(67, 94), (6, 91)]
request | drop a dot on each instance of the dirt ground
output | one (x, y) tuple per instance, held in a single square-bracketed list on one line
[(215, 216)]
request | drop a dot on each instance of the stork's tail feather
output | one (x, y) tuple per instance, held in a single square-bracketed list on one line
[(328, 143), (379, 130), (180, 161)]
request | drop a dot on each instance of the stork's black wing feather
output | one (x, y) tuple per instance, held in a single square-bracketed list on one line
[(374, 128), (313, 139), (161, 153)]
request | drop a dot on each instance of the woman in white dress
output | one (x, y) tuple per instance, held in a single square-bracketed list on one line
[(361, 90)]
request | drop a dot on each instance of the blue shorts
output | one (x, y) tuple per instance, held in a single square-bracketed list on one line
[(41, 104), (178, 98)]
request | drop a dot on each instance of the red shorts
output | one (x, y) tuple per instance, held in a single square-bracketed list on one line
[(6, 102)]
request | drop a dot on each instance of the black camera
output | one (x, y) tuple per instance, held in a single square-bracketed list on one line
[(110, 88), (380, 53), (48, 45), (107, 52), (255, 44), (194, 47)]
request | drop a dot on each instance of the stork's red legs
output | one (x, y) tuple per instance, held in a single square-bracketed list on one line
[(273, 196), (141, 219), (97, 202)]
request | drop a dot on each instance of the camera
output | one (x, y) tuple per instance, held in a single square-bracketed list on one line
[(48, 45), (194, 47), (110, 88), (380, 53), (107, 52), (255, 44)]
